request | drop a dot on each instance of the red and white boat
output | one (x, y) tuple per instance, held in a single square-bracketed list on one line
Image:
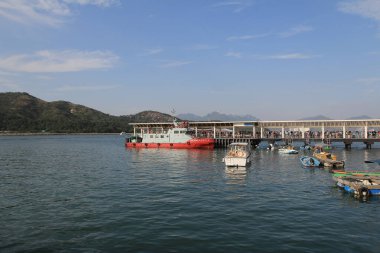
[(179, 137)]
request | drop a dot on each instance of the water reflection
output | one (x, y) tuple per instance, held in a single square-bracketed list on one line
[(236, 175)]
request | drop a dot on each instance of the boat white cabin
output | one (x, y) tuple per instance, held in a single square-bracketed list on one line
[(287, 150), (238, 155)]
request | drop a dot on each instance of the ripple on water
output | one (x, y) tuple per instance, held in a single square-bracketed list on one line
[(90, 194)]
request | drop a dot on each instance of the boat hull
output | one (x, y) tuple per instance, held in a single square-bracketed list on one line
[(347, 188), (288, 151), (236, 161), (308, 161), (205, 143)]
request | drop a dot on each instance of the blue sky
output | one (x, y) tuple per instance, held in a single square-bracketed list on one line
[(274, 59)]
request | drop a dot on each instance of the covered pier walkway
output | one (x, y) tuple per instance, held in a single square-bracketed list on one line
[(346, 131)]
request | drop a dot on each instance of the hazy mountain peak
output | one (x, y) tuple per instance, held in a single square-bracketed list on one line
[(361, 117), (317, 117), (216, 116)]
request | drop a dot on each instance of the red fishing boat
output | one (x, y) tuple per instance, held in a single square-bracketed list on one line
[(179, 137)]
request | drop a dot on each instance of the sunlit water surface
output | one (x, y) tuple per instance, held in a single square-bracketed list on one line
[(90, 194)]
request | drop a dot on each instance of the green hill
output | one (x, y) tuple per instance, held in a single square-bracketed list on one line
[(21, 112)]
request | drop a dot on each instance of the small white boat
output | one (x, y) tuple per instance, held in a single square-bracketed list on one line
[(238, 155), (287, 150), (272, 147)]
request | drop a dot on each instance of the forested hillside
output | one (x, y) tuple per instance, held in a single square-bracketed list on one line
[(21, 112)]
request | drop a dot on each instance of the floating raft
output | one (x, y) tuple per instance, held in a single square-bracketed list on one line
[(342, 173), (328, 160), (362, 184)]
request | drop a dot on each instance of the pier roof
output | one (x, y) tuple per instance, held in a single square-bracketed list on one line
[(273, 123)]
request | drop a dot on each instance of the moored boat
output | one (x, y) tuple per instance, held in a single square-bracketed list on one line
[(287, 150), (177, 137), (328, 159), (359, 184), (309, 161), (238, 155)]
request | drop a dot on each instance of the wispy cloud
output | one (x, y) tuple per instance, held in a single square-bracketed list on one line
[(7, 85), (102, 3), (200, 47), (174, 64), (293, 56), (237, 6), (248, 37), (296, 30), (365, 8), (45, 12), (369, 80), (70, 88), (58, 61), (153, 51), (233, 54)]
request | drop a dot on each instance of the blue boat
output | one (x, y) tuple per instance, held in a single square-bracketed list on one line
[(359, 185), (309, 161)]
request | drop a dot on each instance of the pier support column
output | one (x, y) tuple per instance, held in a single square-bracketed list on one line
[(323, 132), (134, 131), (283, 132), (365, 132), (347, 144), (344, 132), (303, 133), (233, 132), (196, 131), (261, 133), (254, 132), (368, 144), (214, 132)]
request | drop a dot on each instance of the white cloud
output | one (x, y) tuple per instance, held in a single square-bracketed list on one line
[(58, 61), (46, 12), (233, 54), (365, 8), (103, 3), (237, 6), (248, 37), (153, 51), (294, 56), (174, 64), (296, 30)]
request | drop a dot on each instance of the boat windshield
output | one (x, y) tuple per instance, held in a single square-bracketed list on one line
[(237, 148)]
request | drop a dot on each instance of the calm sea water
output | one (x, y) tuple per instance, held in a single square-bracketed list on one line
[(90, 194)]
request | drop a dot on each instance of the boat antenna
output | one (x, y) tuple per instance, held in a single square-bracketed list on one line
[(174, 118)]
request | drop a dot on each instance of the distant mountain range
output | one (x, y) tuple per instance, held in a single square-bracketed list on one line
[(21, 112), (361, 117), (216, 116), (322, 117), (318, 117)]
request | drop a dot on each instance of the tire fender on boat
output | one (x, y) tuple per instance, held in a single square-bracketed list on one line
[(363, 192)]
